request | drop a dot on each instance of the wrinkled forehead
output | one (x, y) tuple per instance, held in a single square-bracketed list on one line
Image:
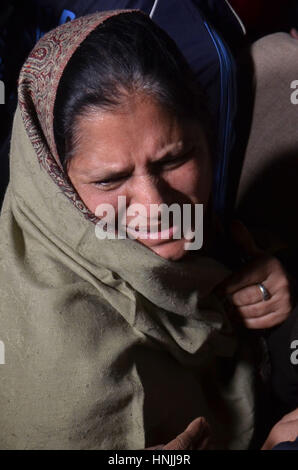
[(42, 71)]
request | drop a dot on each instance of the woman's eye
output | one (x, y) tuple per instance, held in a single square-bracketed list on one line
[(109, 183), (174, 162)]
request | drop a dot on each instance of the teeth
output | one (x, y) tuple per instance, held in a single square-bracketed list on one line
[(144, 229)]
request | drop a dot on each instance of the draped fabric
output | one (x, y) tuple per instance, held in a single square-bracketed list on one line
[(107, 345)]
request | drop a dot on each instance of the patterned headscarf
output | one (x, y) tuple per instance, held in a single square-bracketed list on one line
[(38, 84)]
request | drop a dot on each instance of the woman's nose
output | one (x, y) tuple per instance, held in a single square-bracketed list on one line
[(147, 190)]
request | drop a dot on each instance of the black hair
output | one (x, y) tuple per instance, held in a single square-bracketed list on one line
[(124, 54)]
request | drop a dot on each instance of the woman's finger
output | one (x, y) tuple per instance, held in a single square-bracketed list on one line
[(239, 280), (250, 274), (259, 309), (264, 322), (258, 271), (249, 295), (195, 437)]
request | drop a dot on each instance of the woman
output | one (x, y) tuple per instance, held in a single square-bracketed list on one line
[(104, 338)]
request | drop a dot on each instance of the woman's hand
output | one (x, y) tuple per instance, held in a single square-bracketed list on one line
[(244, 287), (195, 437), (285, 430)]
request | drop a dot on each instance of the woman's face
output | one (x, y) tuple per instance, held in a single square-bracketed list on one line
[(145, 153)]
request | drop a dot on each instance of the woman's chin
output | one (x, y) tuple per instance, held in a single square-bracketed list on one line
[(172, 250)]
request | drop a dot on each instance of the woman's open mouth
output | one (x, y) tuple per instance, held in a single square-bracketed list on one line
[(153, 233)]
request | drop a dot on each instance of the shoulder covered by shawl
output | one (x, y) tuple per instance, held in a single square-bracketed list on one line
[(91, 326)]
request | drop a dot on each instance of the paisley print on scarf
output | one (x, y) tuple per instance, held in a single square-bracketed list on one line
[(38, 84)]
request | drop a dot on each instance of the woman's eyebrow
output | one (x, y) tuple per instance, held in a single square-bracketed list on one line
[(106, 173), (172, 150), (168, 149)]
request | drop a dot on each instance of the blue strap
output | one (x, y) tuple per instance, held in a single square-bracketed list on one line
[(66, 16)]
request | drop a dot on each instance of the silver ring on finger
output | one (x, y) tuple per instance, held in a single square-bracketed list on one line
[(265, 293)]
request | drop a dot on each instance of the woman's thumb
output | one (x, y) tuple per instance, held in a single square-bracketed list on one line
[(195, 437)]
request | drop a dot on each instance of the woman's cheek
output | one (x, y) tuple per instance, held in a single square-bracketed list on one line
[(193, 181), (202, 181), (94, 197)]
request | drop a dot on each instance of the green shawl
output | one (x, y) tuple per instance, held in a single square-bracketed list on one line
[(107, 345)]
